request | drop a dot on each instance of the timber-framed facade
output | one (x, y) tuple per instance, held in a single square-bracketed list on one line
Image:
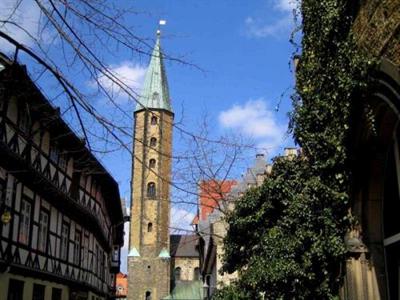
[(61, 225)]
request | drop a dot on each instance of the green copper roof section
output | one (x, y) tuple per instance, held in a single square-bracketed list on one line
[(155, 93), (164, 253), (187, 290), (133, 252)]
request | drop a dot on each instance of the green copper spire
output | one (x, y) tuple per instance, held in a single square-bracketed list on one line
[(155, 92)]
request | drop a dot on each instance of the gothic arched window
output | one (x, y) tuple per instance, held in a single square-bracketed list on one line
[(177, 273), (153, 142), (152, 163), (151, 190), (153, 120), (150, 227)]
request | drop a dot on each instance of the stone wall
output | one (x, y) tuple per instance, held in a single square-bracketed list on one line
[(377, 28), (187, 265)]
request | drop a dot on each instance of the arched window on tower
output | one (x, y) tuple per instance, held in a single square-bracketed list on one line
[(153, 120), (177, 273), (148, 295), (151, 190), (150, 227), (153, 142), (152, 163)]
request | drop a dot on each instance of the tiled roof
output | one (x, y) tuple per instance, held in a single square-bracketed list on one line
[(211, 192)]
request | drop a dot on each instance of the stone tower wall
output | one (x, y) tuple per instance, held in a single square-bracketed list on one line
[(149, 272)]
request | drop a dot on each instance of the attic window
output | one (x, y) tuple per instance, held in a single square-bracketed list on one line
[(156, 96), (153, 120)]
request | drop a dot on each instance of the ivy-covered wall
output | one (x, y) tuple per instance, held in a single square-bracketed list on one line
[(287, 237)]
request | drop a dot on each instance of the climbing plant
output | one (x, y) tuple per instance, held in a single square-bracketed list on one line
[(286, 238)]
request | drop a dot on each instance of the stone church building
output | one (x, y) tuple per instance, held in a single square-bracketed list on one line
[(151, 267)]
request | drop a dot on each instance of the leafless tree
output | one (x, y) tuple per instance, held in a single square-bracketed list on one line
[(72, 39)]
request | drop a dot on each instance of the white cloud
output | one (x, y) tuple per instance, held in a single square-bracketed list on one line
[(259, 28), (286, 5), (181, 219), (27, 16), (130, 74), (254, 119)]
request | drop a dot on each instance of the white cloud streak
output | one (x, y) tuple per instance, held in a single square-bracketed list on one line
[(130, 74), (181, 219), (259, 28), (26, 15), (255, 120), (286, 5)]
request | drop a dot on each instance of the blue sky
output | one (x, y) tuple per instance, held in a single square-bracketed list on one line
[(243, 50), (238, 67)]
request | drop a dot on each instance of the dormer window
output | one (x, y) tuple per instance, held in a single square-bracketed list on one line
[(156, 96), (154, 120)]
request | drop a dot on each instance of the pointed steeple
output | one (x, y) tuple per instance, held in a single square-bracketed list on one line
[(155, 92)]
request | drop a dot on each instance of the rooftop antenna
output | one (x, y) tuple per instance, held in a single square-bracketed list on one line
[(160, 23)]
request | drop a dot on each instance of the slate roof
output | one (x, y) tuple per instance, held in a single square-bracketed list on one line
[(184, 245)]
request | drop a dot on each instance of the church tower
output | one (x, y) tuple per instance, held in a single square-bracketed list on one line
[(149, 257)]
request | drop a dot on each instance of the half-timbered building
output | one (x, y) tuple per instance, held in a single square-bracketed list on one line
[(61, 225)]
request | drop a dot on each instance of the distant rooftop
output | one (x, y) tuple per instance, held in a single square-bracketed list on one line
[(184, 245)]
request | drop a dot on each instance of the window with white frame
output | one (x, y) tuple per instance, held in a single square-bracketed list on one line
[(64, 241), (95, 258), (2, 191), (77, 247), (86, 248), (62, 161), (54, 153), (25, 222), (43, 230), (115, 256), (23, 118)]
